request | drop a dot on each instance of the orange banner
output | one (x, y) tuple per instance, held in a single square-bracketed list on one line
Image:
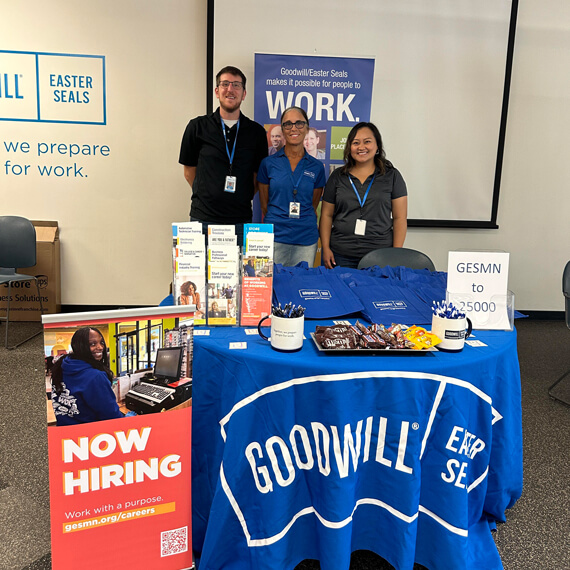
[(123, 516)]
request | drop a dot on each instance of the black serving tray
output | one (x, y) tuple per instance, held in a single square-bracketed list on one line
[(369, 351)]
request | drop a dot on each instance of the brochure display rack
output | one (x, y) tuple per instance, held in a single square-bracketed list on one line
[(189, 267), (257, 283), (223, 275), (227, 287)]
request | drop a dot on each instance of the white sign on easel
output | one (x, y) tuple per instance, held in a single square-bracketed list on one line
[(477, 283)]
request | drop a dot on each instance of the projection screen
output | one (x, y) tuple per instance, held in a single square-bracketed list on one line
[(440, 88)]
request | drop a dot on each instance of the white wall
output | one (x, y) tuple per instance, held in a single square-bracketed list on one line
[(115, 226), (534, 206)]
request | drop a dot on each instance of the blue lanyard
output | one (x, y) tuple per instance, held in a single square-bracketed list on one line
[(295, 184), (361, 201), (230, 156)]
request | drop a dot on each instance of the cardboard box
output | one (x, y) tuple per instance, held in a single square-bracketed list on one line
[(24, 305)]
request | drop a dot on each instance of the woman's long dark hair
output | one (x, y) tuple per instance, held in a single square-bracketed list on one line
[(380, 159), (81, 351)]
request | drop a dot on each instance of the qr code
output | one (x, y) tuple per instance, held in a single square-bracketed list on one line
[(174, 541)]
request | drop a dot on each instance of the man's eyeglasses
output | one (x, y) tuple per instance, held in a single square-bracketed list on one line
[(234, 84), (288, 125)]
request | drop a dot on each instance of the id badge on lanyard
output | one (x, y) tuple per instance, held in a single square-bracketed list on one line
[(294, 209), (230, 184), (294, 206), (360, 225), (231, 181)]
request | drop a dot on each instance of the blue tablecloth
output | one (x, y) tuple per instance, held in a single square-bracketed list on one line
[(312, 455)]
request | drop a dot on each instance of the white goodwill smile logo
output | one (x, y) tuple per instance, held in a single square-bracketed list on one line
[(272, 471)]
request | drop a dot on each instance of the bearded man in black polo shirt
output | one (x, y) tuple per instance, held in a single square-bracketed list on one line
[(221, 153)]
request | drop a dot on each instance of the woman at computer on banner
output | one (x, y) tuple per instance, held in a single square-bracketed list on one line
[(81, 382), (290, 187), (365, 202)]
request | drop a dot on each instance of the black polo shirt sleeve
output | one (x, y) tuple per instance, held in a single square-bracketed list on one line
[(190, 147)]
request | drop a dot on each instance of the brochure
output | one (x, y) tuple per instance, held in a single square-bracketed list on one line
[(189, 267), (257, 282), (223, 284)]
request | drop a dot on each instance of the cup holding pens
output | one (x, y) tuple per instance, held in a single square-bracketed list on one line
[(452, 332), (286, 333)]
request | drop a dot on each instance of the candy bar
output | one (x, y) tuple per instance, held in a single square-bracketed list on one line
[(376, 336)]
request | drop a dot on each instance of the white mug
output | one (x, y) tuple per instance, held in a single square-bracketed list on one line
[(286, 333), (452, 332)]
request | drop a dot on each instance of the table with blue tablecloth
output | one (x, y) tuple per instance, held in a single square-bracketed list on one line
[(315, 455)]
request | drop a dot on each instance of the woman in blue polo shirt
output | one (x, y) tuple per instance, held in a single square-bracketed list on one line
[(290, 187)]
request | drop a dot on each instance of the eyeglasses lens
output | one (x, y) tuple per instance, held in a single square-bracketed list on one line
[(234, 84), (288, 125)]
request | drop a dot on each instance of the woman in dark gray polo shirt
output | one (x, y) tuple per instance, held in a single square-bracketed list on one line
[(365, 203)]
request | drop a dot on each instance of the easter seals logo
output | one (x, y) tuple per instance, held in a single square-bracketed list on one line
[(52, 88)]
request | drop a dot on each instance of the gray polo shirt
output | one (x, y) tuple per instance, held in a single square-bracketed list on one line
[(377, 211)]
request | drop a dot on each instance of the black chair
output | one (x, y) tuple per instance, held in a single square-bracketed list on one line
[(17, 249), (396, 257), (566, 291)]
